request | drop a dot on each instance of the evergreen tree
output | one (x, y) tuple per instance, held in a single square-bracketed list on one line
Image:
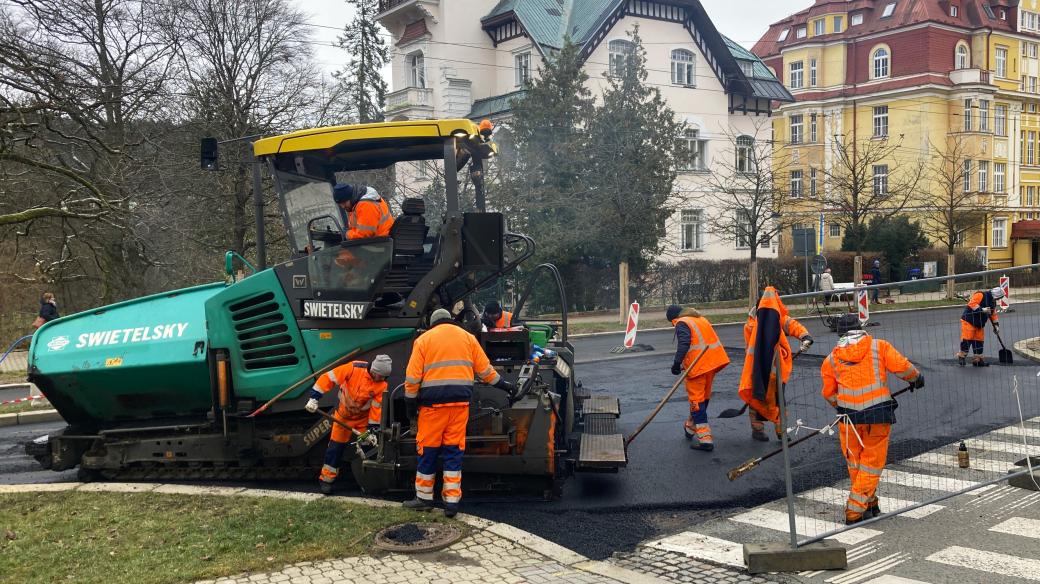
[(363, 85)]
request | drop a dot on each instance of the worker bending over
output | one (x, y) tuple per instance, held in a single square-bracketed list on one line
[(438, 386), (981, 307), (694, 337), (855, 384), (496, 318), (361, 386), (368, 215), (765, 336)]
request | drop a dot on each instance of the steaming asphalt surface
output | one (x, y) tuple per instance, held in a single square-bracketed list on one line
[(668, 487)]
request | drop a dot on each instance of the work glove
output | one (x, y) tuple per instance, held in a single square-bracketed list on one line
[(807, 342), (996, 328), (312, 405), (987, 310), (676, 368), (368, 440), (509, 388), (411, 408), (917, 383)]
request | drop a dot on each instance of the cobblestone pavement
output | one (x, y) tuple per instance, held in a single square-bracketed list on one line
[(676, 567), (480, 557)]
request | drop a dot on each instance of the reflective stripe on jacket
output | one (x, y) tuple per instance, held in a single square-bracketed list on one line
[(696, 335), (973, 314), (442, 365), (505, 320), (370, 217), (855, 379), (360, 397)]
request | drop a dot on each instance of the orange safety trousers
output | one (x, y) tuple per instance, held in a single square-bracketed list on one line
[(338, 441), (865, 457), (698, 392), (442, 432), (758, 421), (972, 337)]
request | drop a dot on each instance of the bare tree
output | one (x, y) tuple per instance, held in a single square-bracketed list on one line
[(954, 206), (748, 187), (867, 179)]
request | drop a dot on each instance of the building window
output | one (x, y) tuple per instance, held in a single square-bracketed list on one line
[(890, 8), (1001, 58), (797, 128), (953, 11), (856, 19), (1033, 49), (838, 22), (962, 60), (1000, 232), (983, 115), (881, 121), (796, 184), (967, 176), (819, 27), (797, 75), (783, 35), (745, 154), (1030, 191), (983, 176), (417, 70), (1028, 20), (880, 179), (684, 71), (967, 115), (522, 64), (812, 72), (1003, 14), (881, 63), (1031, 148), (747, 67), (835, 230), (743, 220), (692, 230), (1000, 119), (999, 172), (620, 51), (812, 128), (799, 32), (812, 183), (691, 150)]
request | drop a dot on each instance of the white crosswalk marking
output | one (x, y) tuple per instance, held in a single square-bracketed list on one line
[(950, 460), (703, 547), (1016, 448), (834, 496), (1016, 431), (871, 569), (927, 481), (992, 562), (890, 579), (1019, 526), (806, 526)]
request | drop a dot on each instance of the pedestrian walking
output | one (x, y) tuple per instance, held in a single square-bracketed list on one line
[(695, 336), (826, 285), (360, 385), (48, 310), (855, 384), (438, 387), (876, 273), (982, 306), (765, 336)]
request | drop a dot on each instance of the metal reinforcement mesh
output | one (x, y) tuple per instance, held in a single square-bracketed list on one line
[(994, 411)]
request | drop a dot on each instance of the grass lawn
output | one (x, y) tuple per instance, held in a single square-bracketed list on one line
[(149, 538), (25, 407)]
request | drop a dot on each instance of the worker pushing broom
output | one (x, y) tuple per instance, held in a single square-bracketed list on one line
[(982, 306)]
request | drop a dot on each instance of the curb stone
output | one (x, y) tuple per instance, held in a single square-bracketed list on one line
[(30, 418), (534, 543), (1023, 348)]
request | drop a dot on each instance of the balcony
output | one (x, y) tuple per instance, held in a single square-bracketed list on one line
[(414, 103), (395, 14), (969, 77)]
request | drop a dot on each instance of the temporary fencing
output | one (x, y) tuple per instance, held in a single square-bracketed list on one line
[(993, 410)]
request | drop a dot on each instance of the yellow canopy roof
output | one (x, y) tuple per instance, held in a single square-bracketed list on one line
[(320, 138)]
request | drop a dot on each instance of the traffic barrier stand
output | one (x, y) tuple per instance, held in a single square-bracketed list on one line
[(631, 328)]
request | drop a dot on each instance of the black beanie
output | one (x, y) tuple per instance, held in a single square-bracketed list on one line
[(672, 312), (492, 307)]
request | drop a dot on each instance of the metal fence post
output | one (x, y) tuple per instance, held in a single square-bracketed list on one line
[(782, 402)]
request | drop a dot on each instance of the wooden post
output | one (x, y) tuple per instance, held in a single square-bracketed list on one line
[(857, 270), (951, 269), (622, 291)]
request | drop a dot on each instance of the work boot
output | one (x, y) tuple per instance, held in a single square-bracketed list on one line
[(418, 504), (451, 510), (705, 446), (978, 361), (962, 358), (759, 435), (874, 509), (689, 429), (853, 519), (326, 488)]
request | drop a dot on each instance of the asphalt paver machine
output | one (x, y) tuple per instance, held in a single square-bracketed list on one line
[(163, 387)]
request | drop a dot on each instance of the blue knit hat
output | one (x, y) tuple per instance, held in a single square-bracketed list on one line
[(342, 193)]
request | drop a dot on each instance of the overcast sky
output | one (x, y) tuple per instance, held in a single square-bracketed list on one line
[(742, 20)]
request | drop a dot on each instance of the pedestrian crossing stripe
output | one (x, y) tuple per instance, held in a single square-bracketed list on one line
[(986, 561), (1020, 526), (806, 526), (833, 496), (869, 569), (950, 461), (703, 547)]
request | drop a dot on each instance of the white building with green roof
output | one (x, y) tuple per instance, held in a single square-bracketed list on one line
[(458, 58)]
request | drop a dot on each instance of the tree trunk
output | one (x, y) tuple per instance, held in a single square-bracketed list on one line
[(857, 270), (951, 269), (622, 291), (752, 283)]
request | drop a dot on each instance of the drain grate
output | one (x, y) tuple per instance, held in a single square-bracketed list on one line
[(417, 538)]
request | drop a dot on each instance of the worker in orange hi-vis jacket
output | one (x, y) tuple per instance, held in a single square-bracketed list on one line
[(982, 306), (855, 384), (361, 386), (694, 335), (438, 387), (765, 335)]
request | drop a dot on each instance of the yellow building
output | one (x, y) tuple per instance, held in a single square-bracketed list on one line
[(910, 79)]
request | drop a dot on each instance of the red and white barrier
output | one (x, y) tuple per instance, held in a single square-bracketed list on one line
[(1005, 284), (864, 306), (21, 399), (633, 323)]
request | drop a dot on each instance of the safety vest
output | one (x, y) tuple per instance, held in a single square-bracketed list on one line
[(442, 365), (370, 217), (973, 314), (505, 320), (767, 346), (855, 382), (360, 397), (702, 339), (790, 326)]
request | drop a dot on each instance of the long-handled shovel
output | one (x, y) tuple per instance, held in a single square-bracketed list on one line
[(1005, 355), (739, 471), (734, 412), (665, 399), (330, 367)]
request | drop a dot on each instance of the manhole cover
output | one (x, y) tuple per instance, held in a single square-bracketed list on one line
[(412, 538)]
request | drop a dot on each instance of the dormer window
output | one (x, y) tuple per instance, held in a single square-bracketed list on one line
[(783, 35), (800, 32), (748, 68), (953, 11), (890, 9), (856, 19)]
